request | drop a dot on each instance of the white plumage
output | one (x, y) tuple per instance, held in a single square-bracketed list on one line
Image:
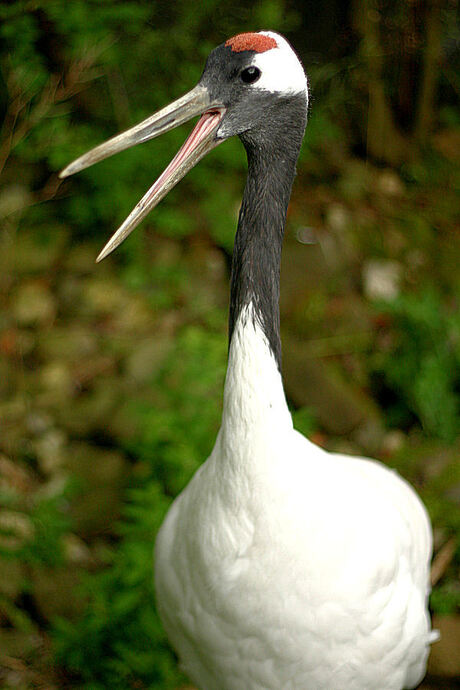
[(280, 566)]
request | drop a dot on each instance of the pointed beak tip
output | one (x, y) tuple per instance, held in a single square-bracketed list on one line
[(65, 172), (101, 256)]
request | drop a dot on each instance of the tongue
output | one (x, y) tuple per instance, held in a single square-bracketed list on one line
[(203, 127)]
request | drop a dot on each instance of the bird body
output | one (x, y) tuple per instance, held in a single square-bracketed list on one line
[(283, 566), (280, 565)]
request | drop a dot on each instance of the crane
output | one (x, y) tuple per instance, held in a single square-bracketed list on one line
[(280, 565)]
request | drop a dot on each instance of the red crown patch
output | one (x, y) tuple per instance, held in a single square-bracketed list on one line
[(251, 41)]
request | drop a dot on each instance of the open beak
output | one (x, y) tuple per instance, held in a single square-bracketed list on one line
[(201, 140)]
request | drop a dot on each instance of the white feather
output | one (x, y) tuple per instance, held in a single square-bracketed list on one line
[(282, 566), (282, 71)]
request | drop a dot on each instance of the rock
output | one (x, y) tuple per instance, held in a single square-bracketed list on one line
[(393, 441), (51, 449), (57, 381), (337, 217), (55, 487), (369, 435), (15, 477), (14, 198), (15, 529), (38, 421), (389, 183), (306, 235), (76, 551), (381, 279), (444, 659), (33, 304)]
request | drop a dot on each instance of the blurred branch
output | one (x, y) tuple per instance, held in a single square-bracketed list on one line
[(24, 112), (442, 560), (120, 100)]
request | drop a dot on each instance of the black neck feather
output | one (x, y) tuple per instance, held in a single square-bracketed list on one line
[(257, 252)]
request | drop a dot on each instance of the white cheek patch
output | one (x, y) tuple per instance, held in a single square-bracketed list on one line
[(281, 69)]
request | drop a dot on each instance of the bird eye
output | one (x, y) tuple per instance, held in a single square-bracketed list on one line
[(250, 75)]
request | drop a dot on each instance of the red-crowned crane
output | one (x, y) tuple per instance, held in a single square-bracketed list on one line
[(280, 565)]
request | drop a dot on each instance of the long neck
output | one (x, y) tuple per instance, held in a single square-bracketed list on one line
[(255, 412), (255, 276)]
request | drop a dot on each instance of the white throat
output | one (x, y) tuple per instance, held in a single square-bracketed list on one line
[(255, 406)]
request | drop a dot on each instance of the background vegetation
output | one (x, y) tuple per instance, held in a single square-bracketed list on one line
[(111, 376)]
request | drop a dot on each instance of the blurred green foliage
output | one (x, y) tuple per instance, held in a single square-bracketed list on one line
[(32, 533), (178, 434), (422, 366), (31, 541), (119, 639)]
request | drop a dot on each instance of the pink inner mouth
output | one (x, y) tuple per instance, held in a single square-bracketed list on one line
[(207, 122)]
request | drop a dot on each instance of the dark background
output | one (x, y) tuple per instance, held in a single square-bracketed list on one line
[(111, 375)]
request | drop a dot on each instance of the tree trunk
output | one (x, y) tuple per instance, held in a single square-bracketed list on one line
[(383, 139), (431, 60)]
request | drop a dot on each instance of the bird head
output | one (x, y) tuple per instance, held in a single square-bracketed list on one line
[(252, 75), (252, 86)]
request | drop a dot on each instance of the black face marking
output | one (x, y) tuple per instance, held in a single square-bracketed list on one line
[(271, 127)]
